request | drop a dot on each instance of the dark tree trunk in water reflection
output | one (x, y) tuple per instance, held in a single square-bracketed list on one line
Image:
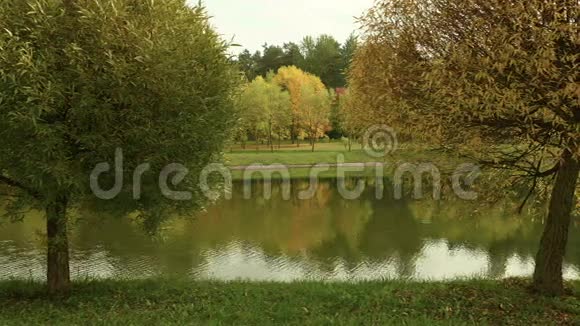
[(57, 269), (548, 277)]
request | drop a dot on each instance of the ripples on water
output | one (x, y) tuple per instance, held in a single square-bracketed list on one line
[(326, 238)]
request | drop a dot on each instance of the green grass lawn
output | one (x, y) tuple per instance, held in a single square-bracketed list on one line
[(161, 302), (291, 154), (328, 153), (304, 173), (324, 153)]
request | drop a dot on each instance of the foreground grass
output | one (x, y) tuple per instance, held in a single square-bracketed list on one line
[(160, 302)]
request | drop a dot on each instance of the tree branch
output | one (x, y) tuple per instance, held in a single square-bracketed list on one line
[(16, 184)]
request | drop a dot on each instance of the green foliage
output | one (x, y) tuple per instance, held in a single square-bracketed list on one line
[(79, 79), (347, 52), (293, 56), (264, 110), (271, 60), (353, 116), (248, 64), (314, 112), (323, 56)]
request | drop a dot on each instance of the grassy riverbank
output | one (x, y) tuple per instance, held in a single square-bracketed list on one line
[(157, 302), (324, 153), (296, 158)]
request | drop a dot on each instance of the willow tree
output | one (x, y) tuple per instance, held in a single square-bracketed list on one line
[(81, 79), (499, 79)]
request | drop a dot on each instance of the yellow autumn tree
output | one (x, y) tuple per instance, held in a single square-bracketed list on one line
[(306, 91)]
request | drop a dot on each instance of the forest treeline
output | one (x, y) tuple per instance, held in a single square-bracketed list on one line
[(295, 91), (322, 56)]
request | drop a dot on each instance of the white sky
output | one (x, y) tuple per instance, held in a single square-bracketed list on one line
[(251, 23)]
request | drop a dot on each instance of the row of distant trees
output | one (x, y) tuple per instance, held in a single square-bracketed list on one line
[(296, 91), (295, 105), (290, 104), (323, 56)]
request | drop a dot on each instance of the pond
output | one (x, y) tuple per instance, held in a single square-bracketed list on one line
[(325, 237)]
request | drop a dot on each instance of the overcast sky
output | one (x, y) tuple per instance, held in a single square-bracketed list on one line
[(252, 23)]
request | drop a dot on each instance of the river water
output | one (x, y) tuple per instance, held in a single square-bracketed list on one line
[(325, 237)]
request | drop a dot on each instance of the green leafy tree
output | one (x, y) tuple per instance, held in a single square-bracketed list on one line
[(265, 110), (335, 115), (248, 64), (323, 58), (251, 108), (496, 79), (352, 117), (292, 55), (347, 52), (272, 59), (314, 112), (79, 79)]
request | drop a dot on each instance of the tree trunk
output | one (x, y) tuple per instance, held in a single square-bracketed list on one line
[(549, 260), (280, 140), (271, 138), (293, 132), (58, 270)]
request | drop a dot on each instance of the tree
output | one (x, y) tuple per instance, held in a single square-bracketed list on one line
[(347, 52), (314, 112), (501, 74), (279, 111), (264, 110), (251, 108), (81, 79), (352, 116), (293, 80), (323, 58), (272, 59), (292, 55), (248, 65), (336, 118)]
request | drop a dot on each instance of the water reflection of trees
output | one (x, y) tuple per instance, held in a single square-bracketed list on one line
[(321, 231), (396, 231)]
